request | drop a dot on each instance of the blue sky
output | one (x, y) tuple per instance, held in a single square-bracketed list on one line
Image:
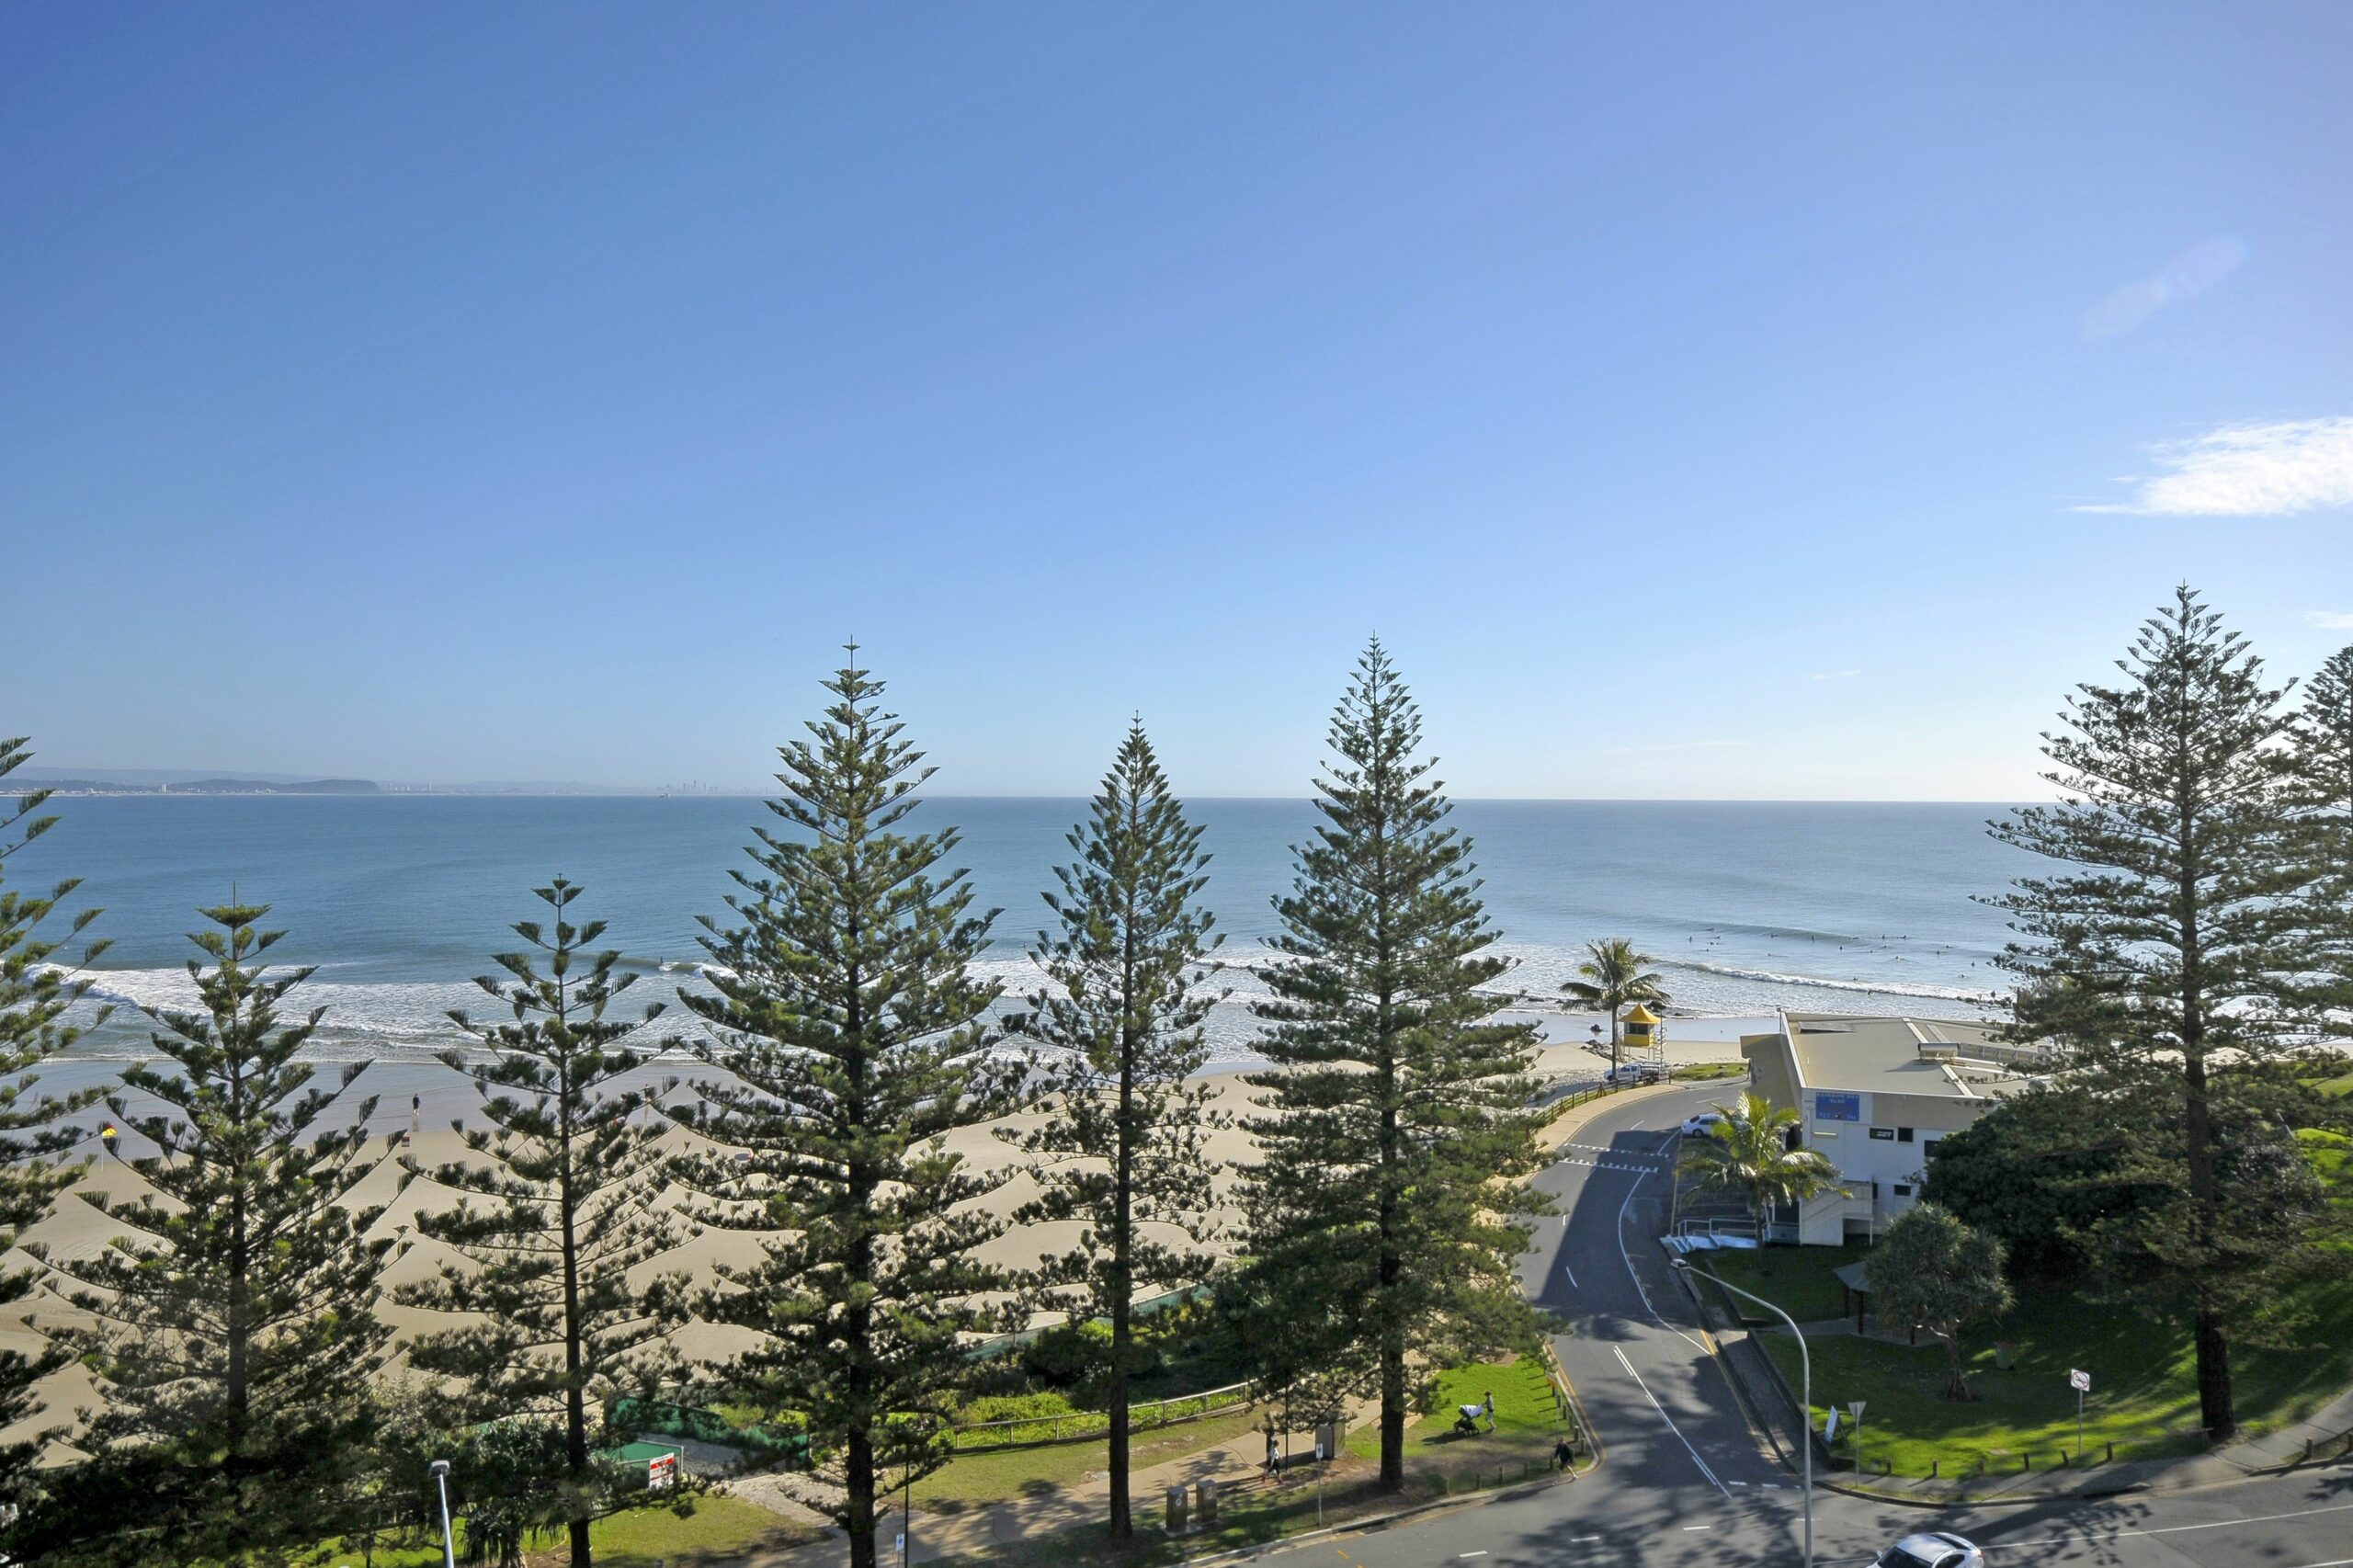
[(1700, 400)]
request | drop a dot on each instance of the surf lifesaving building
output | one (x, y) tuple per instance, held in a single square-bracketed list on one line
[(1874, 1095)]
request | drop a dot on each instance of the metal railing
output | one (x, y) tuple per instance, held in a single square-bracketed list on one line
[(1025, 1431)]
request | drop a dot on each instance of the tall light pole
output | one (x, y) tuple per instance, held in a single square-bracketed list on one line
[(1805, 1395), (442, 1481)]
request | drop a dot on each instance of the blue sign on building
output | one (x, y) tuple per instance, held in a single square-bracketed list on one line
[(1832, 1106)]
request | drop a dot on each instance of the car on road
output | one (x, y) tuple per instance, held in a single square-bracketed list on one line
[(1635, 1072), (1703, 1124), (1931, 1549)]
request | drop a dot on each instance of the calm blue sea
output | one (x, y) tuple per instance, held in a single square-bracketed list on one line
[(399, 899)]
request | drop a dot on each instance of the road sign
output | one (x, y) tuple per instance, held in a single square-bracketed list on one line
[(1830, 1428), (2080, 1381), (1855, 1408)]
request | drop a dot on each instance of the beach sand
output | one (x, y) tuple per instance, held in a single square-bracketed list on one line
[(421, 1098)]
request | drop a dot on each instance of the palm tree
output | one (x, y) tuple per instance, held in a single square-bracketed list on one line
[(1615, 979), (1748, 1152)]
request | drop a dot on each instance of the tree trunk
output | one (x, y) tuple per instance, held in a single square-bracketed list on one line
[(2214, 1404), (858, 1467)]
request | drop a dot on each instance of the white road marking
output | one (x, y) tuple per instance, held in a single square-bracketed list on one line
[(1689, 1529), (1572, 1277), (1583, 1538), (1479, 1553), (1671, 1427), (2177, 1529), (1636, 1186)]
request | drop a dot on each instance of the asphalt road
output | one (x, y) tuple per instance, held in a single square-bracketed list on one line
[(1686, 1481)]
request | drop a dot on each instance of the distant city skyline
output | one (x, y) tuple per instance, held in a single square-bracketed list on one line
[(1703, 403)]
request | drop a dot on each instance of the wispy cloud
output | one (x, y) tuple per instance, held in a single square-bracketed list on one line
[(1835, 674), (2330, 620), (2248, 471), (2187, 276), (1673, 745)]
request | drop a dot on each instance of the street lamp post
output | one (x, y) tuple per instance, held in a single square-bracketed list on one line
[(1805, 1394), (441, 1483)]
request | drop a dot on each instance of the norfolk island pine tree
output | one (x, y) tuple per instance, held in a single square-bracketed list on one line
[(2179, 937), (854, 1037), (567, 1170), (237, 1330), (1392, 1166), (36, 992), (1124, 1142)]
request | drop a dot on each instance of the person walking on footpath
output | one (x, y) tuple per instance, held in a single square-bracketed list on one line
[(1274, 1457)]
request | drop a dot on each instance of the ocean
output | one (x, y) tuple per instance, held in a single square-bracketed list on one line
[(399, 900)]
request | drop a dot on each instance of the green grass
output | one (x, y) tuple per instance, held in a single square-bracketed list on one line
[(1528, 1423), (1708, 1072), (720, 1530), (2145, 1395), (982, 1476), (1797, 1280)]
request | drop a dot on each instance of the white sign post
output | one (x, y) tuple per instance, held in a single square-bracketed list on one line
[(2081, 1383), (1855, 1408), (1319, 1484)]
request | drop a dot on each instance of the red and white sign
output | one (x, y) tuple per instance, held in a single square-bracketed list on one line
[(661, 1474)]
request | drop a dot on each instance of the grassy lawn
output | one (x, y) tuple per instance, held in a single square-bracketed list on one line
[(718, 1530), (1708, 1072), (1796, 1279), (1527, 1422), (2145, 1395), (994, 1475)]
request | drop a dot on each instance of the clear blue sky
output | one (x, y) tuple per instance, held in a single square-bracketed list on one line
[(1710, 400)]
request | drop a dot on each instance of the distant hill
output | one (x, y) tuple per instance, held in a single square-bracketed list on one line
[(212, 787)]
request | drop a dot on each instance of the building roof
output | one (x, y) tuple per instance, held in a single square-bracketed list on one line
[(1894, 1055)]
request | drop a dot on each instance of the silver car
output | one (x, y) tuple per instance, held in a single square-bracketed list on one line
[(1931, 1549)]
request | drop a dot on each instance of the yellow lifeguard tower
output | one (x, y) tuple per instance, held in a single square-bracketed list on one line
[(1643, 1038)]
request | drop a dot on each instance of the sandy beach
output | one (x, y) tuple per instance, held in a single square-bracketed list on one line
[(420, 1098)]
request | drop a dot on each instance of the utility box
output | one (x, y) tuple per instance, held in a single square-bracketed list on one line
[(1328, 1439), (1177, 1520), (1205, 1503)]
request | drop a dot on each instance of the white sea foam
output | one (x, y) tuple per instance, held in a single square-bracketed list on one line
[(1825, 982)]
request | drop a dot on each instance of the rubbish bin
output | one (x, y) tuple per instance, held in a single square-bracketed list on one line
[(2005, 1354), (1177, 1510), (1205, 1501)]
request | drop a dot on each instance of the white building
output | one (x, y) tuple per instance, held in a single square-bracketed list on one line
[(1874, 1095)]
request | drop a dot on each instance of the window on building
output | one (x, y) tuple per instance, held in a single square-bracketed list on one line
[(1904, 1135), (1903, 1190)]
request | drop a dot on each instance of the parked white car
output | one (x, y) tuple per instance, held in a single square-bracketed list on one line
[(1932, 1549), (1635, 1072), (1703, 1124)]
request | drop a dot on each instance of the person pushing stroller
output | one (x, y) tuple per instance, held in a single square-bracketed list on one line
[(1467, 1417)]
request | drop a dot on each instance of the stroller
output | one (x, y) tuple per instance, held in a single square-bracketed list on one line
[(1467, 1417)]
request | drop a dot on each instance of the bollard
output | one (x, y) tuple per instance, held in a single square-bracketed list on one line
[(2111, 1453), (2026, 1462), (1177, 1510), (1205, 1501), (1935, 1466)]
